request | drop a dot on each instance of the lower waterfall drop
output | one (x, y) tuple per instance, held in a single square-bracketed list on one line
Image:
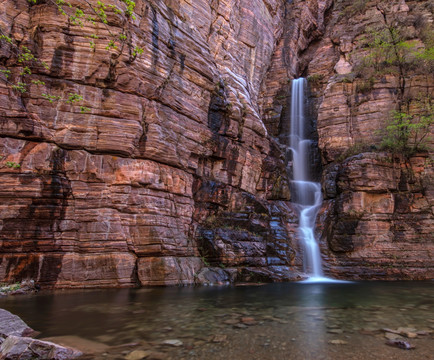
[(306, 194)]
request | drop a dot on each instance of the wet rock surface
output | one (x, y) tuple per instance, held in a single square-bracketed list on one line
[(15, 343)]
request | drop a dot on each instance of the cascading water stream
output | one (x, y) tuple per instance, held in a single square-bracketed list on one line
[(306, 194)]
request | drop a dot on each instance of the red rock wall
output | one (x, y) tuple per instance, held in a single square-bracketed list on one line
[(116, 196), (379, 213), (377, 218)]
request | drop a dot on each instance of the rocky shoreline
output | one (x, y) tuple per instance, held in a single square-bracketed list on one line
[(24, 287), (17, 342)]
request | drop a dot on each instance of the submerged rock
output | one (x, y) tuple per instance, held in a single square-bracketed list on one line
[(408, 332), (219, 338), (392, 336), (401, 344), (76, 342), (337, 342), (248, 321), (138, 355), (173, 342)]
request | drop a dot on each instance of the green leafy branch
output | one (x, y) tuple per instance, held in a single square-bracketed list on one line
[(9, 164), (408, 132), (27, 60)]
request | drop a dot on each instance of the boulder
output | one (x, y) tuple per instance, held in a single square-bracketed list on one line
[(11, 324), (25, 348)]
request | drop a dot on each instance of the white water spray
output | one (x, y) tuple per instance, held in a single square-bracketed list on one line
[(306, 194)]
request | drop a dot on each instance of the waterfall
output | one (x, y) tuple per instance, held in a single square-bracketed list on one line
[(306, 194)]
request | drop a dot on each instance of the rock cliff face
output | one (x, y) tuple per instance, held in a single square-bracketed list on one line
[(169, 171), (377, 217), (176, 174), (378, 209)]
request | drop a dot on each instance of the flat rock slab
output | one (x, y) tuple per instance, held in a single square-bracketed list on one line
[(172, 342), (138, 355), (11, 324), (25, 348), (79, 343)]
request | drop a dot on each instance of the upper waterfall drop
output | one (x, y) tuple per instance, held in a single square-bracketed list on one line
[(306, 194)]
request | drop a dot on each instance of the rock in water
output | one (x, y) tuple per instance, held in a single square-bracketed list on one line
[(138, 355), (25, 348), (219, 338), (392, 336), (173, 342), (11, 324), (401, 344), (248, 321), (338, 342)]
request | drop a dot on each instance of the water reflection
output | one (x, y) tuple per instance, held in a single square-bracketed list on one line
[(310, 320), (270, 318)]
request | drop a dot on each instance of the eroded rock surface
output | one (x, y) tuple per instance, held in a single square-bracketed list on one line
[(121, 194), (378, 218)]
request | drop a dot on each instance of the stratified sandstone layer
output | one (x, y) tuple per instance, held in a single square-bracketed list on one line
[(377, 217), (171, 147), (378, 221)]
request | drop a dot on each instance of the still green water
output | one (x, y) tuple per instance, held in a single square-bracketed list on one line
[(275, 321)]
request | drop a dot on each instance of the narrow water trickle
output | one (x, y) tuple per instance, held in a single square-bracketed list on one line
[(306, 194)]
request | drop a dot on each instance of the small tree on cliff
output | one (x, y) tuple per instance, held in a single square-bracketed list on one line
[(389, 51), (408, 132), (20, 67)]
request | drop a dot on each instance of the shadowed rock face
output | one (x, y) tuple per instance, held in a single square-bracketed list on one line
[(176, 174), (377, 218)]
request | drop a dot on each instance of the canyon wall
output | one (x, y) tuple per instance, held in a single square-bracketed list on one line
[(377, 216), (378, 209), (176, 173), (170, 170)]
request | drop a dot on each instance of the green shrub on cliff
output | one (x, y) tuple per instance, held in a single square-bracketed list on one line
[(23, 63), (392, 49), (408, 132)]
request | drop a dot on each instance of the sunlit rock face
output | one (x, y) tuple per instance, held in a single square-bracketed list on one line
[(172, 148)]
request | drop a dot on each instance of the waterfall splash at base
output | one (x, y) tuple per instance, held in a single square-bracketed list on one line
[(306, 194)]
